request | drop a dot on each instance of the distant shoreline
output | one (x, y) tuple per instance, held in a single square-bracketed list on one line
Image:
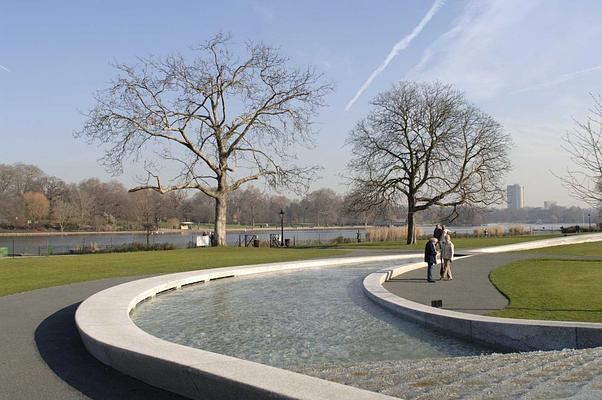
[(180, 231)]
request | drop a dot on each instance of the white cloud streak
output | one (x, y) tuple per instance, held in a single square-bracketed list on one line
[(559, 80), (474, 54), (399, 46), (4, 68)]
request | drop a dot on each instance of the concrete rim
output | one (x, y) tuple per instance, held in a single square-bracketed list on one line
[(506, 333), (110, 335)]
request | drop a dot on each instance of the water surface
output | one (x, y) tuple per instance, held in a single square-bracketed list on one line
[(296, 318)]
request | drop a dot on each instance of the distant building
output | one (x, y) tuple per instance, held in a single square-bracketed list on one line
[(548, 204), (515, 196)]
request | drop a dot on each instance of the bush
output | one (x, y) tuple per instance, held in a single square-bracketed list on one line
[(173, 223), (516, 230), (124, 248), (493, 231), (341, 239), (389, 234)]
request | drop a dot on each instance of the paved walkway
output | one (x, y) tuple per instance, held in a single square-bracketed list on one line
[(470, 291), (44, 358)]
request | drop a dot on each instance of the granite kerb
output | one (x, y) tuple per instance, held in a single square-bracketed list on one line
[(502, 333), (104, 324)]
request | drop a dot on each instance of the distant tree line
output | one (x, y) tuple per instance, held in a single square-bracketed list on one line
[(30, 199)]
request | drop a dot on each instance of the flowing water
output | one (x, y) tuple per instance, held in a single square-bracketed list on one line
[(295, 318), (319, 322)]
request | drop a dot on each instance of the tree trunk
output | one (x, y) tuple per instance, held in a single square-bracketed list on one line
[(411, 227), (221, 204)]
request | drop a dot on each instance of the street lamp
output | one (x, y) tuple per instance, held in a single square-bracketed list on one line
[(281, 228), (589, 223)]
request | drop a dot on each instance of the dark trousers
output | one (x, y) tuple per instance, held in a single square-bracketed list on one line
[(429, 271)]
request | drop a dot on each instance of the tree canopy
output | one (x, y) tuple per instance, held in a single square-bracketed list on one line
[(224, 119), (584, 146), (425, 145)]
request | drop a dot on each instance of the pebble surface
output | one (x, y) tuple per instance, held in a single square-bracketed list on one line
[(575, 374)]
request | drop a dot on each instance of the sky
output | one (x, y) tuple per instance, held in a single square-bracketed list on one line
[(530, 64)]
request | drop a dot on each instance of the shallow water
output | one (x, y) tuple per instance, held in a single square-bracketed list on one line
[(293, 319)]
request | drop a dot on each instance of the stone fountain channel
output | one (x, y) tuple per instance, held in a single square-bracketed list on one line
[(294, 320), (319, 322), (314, 320)]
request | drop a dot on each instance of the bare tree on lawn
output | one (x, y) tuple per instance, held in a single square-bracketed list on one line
[(424, 145), (584, 146), (223, 120)]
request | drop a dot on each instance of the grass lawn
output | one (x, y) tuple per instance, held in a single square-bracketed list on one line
[(460, 243), (581, 249), (23, 274), (567, 290)]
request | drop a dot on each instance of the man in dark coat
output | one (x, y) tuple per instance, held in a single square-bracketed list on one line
[(430, 258), (438, 232)]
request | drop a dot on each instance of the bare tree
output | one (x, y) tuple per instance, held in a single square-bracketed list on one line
[(64, 213), (584, 145), (36, 206), (424, 145), (224, 121)]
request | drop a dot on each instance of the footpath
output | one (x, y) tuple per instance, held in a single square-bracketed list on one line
[(470, 291), (43, 356)]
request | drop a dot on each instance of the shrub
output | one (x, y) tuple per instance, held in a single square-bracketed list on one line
[(494, 231), (518, 230), (124, 248), (389, 234), (173, 223), (341, 239)]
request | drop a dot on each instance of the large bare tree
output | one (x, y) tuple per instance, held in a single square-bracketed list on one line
[(584, 146), (424, 145), (223, 119)]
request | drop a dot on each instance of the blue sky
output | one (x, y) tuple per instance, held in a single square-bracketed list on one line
[(531, 64)]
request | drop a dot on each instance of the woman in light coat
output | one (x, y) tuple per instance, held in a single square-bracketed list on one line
[(447, 254)]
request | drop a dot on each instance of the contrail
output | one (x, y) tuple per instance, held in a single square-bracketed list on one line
[(559, 80), (399, 46), (4, 68)]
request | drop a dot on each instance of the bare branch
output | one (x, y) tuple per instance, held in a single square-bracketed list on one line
[(215, 109), (424, 145)]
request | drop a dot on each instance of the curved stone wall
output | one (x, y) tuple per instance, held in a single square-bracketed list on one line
[(504, 333), (110, 335)]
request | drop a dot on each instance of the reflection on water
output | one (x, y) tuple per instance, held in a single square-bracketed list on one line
[(295, 318)]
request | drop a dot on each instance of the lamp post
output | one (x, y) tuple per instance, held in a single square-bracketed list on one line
[(281, 228), (589, 223)]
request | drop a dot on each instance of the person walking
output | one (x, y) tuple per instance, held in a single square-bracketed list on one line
[(437, 232), (444, 234), (430, 258), (447, 254)]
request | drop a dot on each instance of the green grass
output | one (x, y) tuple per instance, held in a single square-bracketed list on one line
[(566, 290), (460, 243), (581, 249), (23, 274)]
